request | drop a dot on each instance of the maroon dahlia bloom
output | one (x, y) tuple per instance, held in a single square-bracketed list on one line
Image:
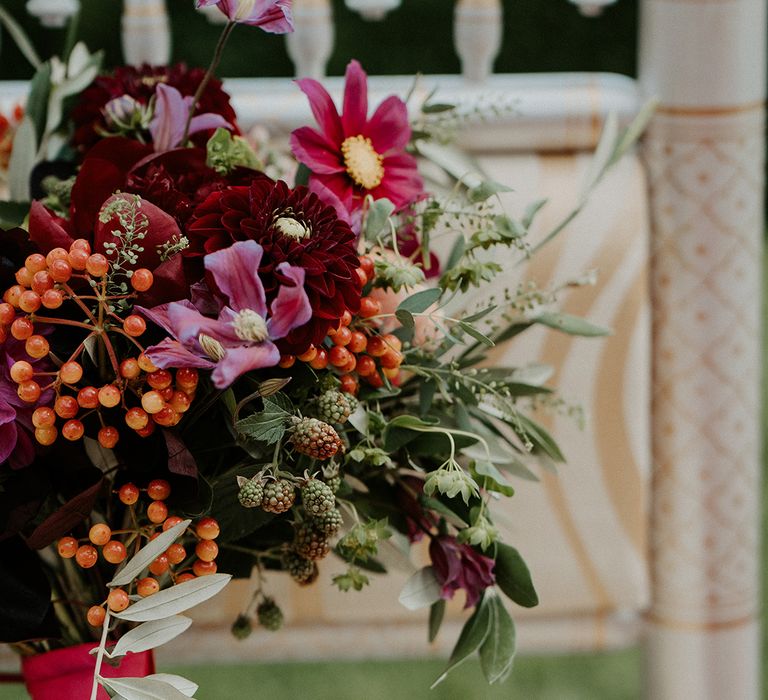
[(140, 83), (293, 226)]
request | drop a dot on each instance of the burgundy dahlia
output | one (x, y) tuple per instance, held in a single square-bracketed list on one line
[(140, 83), (293, 226), (459, 566)]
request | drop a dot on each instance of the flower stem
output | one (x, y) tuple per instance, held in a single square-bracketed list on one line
[(100, 656), (217, 54)]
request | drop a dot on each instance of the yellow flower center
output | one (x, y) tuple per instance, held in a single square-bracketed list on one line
[(293, 228), (364, 165), (211, 347), (250, 326)]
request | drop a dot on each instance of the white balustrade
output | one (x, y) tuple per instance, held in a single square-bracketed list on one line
[(477, 34), (311, 43), (592, 8), (146, 32), (373, 9), (53, 13)]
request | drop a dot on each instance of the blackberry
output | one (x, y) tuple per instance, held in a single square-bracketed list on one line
[(279, 496), (302, 570), (333, 407), (241, 627), (317, 497), (251, 491), (269, 615), (311, 543), (328, 523), (332, 477), (314, 438)]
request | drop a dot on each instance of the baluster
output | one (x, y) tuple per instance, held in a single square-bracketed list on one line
[(592, 8), (310, 45), (373, 10), (477, 34), (146, 32), (53, 13)]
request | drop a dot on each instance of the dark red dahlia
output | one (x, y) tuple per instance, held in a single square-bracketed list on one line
[(294, 226), (140, 83)]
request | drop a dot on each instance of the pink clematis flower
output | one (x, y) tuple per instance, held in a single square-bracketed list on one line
[(351, 156), (170, 119), (273, 16), (459, 566), (241, 338)]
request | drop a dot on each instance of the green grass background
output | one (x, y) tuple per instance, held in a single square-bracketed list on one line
[(540, 35)]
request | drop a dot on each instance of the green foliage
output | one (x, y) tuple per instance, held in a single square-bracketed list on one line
[(270, 424), (226, 152), (513, 576)]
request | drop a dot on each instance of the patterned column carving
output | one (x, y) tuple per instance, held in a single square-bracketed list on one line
[(704, 60)]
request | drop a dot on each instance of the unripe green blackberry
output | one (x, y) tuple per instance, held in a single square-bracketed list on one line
[(328, 523), (333, 407), (311, 543), (251, 491), (302, 570), (279, 496), (241, 627), (332, 476), (317, 497), (316, 439), (269, 615)]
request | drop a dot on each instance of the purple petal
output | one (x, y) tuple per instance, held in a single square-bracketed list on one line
[(312, 149), (206, 121), (170, 118), (235, 271), (240, 360), (291, 307), (24, 452), (205, 3), (8, 432), (389, 128), (323, 109), (159, 314), (355, 111), (171, 353), (188, 323)]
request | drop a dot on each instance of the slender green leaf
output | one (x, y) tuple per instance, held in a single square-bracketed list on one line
[(23, 158), (469, 329), (457, 252), (421, 301), (486, 190), (376, 221), (182, 684), (147, 554), (406, 318), (176, 599), (12, 214), (498, 649), (421, 590), (142, 689), (150, 635), (538, 436), (531, 211), (513, 576), (492, 479), (573, 325), (20, 37), (444, 510), (436, 615)]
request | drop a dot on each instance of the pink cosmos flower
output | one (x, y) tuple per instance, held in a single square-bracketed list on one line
[(273, 16), (459, 566), (170, 119), (241, 338), (351, 156)]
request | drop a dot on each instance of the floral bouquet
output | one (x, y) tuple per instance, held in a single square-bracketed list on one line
[(207, 371)]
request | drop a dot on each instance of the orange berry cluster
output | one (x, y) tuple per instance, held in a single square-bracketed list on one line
[(114, 551), (355, 350)]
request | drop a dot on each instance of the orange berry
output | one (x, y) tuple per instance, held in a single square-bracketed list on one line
[(21, 371), (67, 547), (35, 263), (390, 372), (349, 384), (88, 397), (346, 318), (100, 533), (72, 430), (46, 434), (86, 556), (37, 346), (128, 494), (176, 553), (141, 279), (207, 550), (187, 378), (13, 294), (158, 489), (71, 372), (24, 277), (342, 336), (308, 355), (393, 342), (22, 328), (78, 259), (171, 521), (146, 364), (43, 416), (160, 379), (286, 361), (29, 301), (366, 264), (118, 600), (54, 255), (97, 265), (361, 276), (366, 366), (147, 430), (147, 586), (183, 578), (96, 615), (166, 417), (114, 552), (204, 568), (350, 366), (29, 391), (159, 566), (321, 359), (109, 396), (339, 356), (7, 314), (152, 402), (369, 307), (375, 381), (129, 369), (157, 511), (80, 244), (377, 346), (391, 359), (180, 402), (60, 271), (108, 437), (134, 325), (42, 282), (208, 529), (66, 407), (52, 299), (357, 342), (136, 418)]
